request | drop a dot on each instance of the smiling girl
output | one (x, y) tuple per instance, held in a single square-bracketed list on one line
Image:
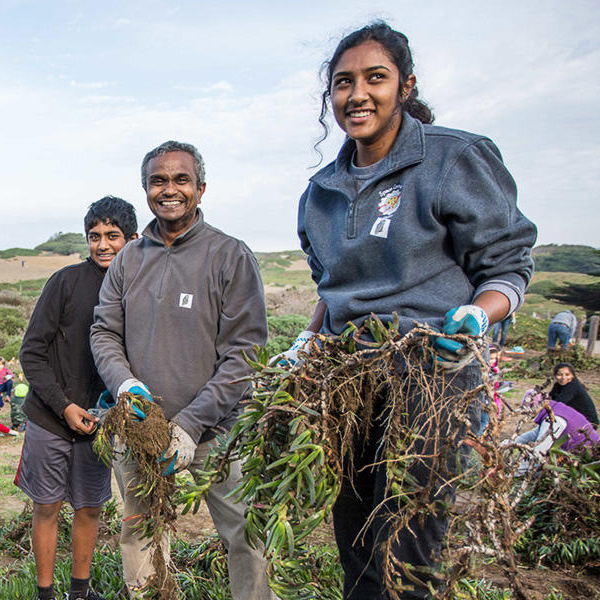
[(570, 391), (412, 219)]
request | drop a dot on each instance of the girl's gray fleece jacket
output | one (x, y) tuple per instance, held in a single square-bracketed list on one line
[(178, 319), (433, 225)]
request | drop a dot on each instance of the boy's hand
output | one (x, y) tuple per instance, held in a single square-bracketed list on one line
[(79, 419)]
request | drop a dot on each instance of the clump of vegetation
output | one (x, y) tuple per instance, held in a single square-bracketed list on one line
[(563, 511), (12, 321), (586, 296), (11, 298), (144, 442), (531, 333), (298, 432)]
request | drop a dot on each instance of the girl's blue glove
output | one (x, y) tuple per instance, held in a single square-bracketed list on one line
[(469, 319)]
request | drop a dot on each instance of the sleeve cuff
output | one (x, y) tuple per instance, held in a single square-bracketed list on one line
[(514, 294)]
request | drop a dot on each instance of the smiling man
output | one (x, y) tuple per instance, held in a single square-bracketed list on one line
[(57, 462), (178, 309)]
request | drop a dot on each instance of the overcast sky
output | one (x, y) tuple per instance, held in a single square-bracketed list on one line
[(87, 88)]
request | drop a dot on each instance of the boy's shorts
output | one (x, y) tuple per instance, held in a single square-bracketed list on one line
[(54, 469)]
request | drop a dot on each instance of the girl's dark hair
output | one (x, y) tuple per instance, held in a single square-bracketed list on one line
[(395, 45), (562, 365)]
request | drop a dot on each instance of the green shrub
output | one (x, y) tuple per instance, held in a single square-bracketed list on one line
[(12, 252), (11, 321), (287, 325), (12, 348), (543, 287), (11, 298), (64, 243), (278, 344)]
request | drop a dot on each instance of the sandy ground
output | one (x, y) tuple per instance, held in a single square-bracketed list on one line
[(33, 267)]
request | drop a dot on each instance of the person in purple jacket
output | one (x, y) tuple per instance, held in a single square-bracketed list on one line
[(561, 421)]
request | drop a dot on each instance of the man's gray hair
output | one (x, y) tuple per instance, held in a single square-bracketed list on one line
[(172, 146)]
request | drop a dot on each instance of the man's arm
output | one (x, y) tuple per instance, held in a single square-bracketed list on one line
[(107, 338), (242, 325)]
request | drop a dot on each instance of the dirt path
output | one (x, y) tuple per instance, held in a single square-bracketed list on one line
[(20, 268)]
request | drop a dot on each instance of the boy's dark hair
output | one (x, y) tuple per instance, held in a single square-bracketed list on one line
[(111, 210)]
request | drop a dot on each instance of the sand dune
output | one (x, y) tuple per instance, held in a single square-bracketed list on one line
[(33, 267)]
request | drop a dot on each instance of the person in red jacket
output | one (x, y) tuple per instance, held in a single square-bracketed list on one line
[(6, 381)]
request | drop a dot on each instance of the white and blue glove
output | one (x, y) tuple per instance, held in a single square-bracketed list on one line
[(180, 452), (137, 388), (290, 357), (468, 319)]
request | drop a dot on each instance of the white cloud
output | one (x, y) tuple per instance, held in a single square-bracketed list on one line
[(90, 85)]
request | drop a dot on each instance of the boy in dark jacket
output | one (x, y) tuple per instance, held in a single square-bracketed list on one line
[(57, 460)]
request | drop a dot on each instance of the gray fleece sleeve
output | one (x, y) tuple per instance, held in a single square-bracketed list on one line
[(107, 332), (491, 238)]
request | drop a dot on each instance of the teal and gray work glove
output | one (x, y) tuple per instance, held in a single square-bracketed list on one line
[(180, 452), (468, 319)]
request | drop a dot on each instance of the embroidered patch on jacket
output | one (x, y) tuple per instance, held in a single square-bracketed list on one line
[(185, 300), (388, 205)]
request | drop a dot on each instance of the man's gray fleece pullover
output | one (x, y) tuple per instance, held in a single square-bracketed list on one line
[(178, 319)]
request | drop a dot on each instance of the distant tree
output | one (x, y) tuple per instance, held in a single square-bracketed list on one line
[(568, 258), (587, 296), (64, 243)]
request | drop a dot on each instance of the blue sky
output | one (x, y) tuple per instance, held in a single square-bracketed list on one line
[(88, 88)]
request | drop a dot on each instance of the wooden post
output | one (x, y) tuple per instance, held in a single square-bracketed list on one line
[(592, 335), (579, 330)]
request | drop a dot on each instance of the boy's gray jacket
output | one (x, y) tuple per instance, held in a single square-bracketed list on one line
[(178, 319), (435, 225)]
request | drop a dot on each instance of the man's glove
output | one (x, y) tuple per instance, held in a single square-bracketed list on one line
[(180, 452), (469, 319), (137, 388), (290, 357)]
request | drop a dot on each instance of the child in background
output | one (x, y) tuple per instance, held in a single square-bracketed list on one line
[(8, 430), (6, 381)]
